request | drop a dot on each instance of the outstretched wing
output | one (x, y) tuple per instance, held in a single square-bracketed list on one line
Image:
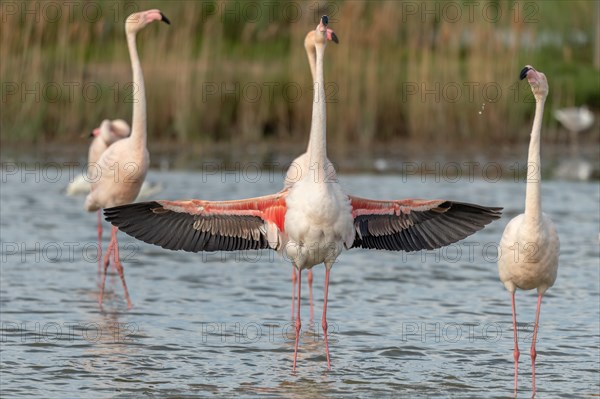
[(413, 225), (197, 225)]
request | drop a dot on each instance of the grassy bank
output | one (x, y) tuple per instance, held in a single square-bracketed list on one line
[(430, 72)]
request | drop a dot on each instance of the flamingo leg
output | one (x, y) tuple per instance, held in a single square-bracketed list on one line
[(99, 243), (106, 261), (516, 352), (113, 248), (298, 322), (293, 288), (532, 351), (324, 319), (309, 278), (119, 266)]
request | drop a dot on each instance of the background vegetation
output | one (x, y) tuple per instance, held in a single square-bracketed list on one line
[(236, 73)]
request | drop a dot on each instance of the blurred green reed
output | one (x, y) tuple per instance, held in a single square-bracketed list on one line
[(230, 71)]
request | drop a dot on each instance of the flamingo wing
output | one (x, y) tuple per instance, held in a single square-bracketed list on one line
[(413, 225), (197, 225)]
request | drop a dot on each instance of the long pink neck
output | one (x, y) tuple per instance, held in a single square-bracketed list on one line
[(138, 119), (533, 198)]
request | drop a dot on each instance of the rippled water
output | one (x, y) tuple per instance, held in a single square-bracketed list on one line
[(431, 324)]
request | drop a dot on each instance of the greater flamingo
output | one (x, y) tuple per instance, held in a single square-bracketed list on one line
[(311, 220), (529, 247), (103, 136), (124, 164), (300, 162), (106, 134)]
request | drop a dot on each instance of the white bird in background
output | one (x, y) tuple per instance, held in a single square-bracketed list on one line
[(106, 134), (529, 247), (311, 221), (124, 164), (301, 163), (576, 120)]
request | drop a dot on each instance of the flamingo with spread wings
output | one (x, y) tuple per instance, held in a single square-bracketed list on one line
[(310, 221)]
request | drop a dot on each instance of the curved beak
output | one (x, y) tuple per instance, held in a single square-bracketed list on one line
[(524, 71), (332, 36), (165, 19)]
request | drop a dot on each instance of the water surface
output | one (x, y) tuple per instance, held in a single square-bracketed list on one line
[(431, 324)]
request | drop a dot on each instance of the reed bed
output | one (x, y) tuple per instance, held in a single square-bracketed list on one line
[(236, 72)]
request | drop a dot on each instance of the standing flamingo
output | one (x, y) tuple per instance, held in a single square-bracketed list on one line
[(106, 134), (310, 221), (301, 161), (103, 136), (529, 247), (124, 164)]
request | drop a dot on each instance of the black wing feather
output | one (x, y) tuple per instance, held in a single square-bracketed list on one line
[(445, 224), (152, 223)]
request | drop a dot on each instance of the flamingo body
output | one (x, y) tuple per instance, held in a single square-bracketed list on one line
[(318, 222), (529, 259), (123, 171)]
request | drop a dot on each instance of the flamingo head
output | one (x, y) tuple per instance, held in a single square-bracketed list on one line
[(309, 40), (321, 32), (119, 129), (111, 131), (537, 81), (102, 130), (138, 21)]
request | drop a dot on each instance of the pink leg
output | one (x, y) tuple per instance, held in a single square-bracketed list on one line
[(298, 322), (106, 260), (324, 319), (532, 351), (99, 243), (293, 288), (113, 248), (309, 277), (120, 267), (516, 352)]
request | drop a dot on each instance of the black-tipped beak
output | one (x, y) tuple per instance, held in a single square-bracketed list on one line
[(165, 19), (91, 134), (334, 38), (325, 20), (524, 71)]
